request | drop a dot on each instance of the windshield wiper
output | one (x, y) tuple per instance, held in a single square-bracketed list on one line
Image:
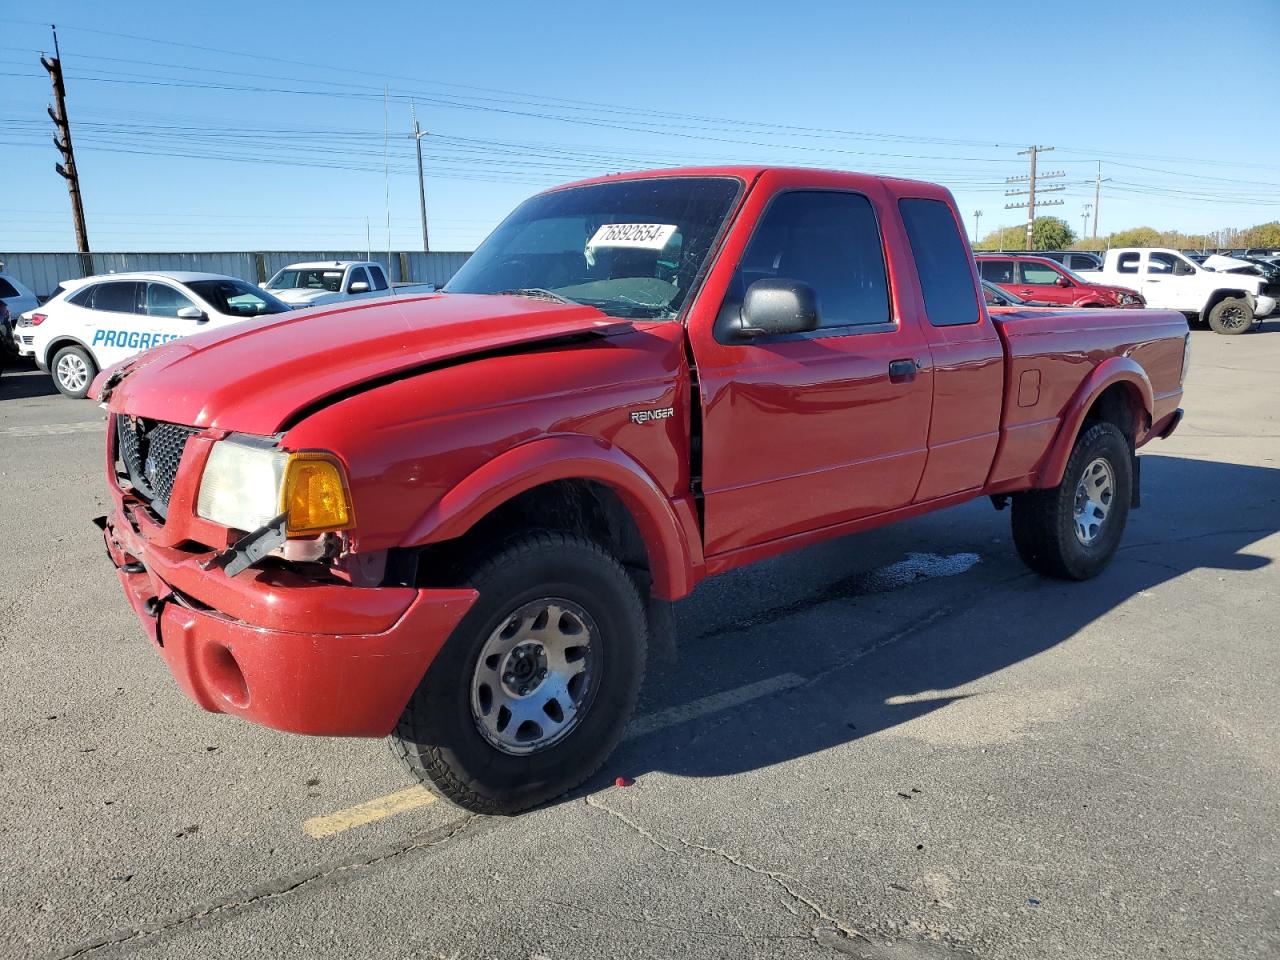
[(536, 293)]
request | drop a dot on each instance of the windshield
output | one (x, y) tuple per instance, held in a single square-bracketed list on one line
[(326, 278), (235, 298), (632, 248)]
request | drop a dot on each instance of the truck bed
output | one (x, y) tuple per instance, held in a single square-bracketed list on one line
[(1046, 351)]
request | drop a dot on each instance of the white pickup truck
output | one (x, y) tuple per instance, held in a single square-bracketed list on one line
[(1229, 302), (311, 284)]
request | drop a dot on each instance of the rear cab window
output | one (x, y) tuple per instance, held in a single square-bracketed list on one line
[(942, 262)]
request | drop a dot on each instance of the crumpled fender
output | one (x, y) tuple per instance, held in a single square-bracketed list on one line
[(1111, 371), (669, 527)]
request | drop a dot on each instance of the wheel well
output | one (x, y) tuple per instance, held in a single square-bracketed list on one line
[(52, 350), (1118, 404), (585, 508), (1218, 296)]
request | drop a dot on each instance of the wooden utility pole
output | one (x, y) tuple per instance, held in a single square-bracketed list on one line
[(62, 140), (1097, 198), (418, 134), (1032, 185)]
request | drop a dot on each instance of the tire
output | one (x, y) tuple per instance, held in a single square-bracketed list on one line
[(1045, 521), (1231, 317), (73, 371), (455, 747)]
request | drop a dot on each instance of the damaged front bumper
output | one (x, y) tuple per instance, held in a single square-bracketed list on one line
[(270, 645)]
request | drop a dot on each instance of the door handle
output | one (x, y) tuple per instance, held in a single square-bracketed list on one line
[(902, 371)]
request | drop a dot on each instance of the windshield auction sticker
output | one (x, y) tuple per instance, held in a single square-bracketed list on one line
[(637, 236)]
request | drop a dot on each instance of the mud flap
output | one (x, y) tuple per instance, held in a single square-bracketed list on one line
[(1135, 497)]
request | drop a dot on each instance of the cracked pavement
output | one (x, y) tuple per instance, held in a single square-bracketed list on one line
[(974, 762)]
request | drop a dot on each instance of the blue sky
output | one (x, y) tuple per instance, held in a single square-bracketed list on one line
[(260, 126)]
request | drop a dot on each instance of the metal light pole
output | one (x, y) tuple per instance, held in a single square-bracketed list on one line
[(977, 225), (418, 134), (1084, 222)]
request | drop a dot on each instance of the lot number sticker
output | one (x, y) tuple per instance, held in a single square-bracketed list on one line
[(637, 236)]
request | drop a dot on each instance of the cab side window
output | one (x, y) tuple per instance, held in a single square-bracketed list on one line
[(1128, 263), (1039, 275), (1161, 263), (357, 276), (379, 282), (996, 271), (830, 241), (164, 301), (118, 296), (943, 262)]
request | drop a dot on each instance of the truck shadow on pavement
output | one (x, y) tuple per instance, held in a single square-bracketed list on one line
[(24, 383), (837, 664)]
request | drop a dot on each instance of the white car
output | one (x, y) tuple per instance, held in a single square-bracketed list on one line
[(105, 319), (1228, 302), (18, 299), (311, 284)]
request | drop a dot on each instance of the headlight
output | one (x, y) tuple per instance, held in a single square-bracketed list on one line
[(241, 484), (248, 482)]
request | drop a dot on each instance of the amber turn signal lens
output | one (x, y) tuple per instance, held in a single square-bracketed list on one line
[(315, 495)]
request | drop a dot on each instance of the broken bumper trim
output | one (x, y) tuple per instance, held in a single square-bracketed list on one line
[(296, 666)]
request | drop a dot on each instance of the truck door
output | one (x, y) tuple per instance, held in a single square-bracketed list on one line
[(1163, 283), (968, 358), (802, 431)]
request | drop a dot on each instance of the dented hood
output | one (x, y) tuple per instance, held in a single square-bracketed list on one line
[(253, 377)]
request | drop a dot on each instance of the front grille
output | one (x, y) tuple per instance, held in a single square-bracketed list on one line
[(150, 451)]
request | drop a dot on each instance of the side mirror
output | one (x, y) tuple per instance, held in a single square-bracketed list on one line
[(358, 287), (192, 313), (1062, 282), (775, 306)]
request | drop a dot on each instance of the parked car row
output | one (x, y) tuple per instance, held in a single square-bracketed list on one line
[(1229, 294), (91, 323), (1039, 278)]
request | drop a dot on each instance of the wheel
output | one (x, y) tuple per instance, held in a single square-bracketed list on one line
[(532, 690), (1231, 316), (1073, 530), (73, 371)]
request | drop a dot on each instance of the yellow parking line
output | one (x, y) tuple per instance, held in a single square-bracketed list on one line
[(362, 813)]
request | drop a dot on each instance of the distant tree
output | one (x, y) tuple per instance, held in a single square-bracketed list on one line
[(1136, 237), (1051, 233), (1263, 235)]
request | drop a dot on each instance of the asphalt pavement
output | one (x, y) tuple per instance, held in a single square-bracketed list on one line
[(898, 745)]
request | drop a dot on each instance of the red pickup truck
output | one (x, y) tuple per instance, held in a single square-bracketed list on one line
[(460, 519)]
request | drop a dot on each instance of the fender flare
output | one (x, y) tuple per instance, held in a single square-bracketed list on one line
[(1218, 294), (668, 527), (62, 338), (1111, 371)]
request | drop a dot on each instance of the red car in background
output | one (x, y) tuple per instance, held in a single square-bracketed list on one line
[(1038, 278)]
